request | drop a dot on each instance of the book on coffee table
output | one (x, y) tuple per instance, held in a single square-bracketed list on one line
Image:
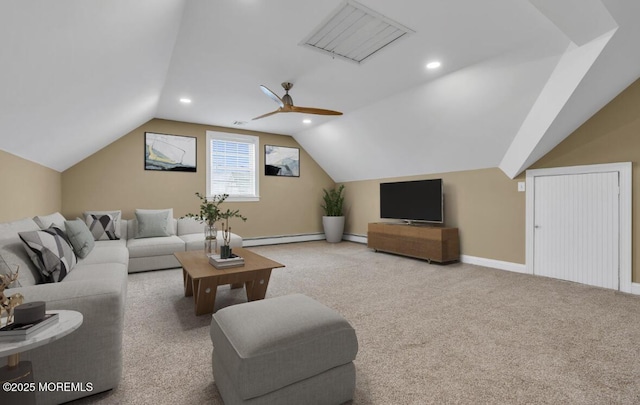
[(219, 263), (16, 331)]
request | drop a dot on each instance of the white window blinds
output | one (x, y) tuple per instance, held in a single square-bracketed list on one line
[(232, 165)]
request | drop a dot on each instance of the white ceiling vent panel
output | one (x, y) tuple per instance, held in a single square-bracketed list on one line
[(354, 32)]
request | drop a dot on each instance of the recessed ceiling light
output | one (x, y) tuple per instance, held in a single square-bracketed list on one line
[(185, 100), (306, 121), (433, 65)]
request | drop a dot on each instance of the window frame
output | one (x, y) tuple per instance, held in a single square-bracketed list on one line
[(248, 139)]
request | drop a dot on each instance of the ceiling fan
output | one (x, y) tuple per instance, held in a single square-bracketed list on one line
[(286, 103)]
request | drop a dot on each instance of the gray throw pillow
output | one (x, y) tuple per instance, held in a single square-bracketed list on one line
[(170, 227), (81, 238), (152, 224)]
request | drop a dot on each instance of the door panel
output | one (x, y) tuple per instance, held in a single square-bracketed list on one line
[(576, 235)]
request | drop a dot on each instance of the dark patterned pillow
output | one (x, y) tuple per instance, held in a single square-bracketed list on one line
[(50, 252), (102, 226)]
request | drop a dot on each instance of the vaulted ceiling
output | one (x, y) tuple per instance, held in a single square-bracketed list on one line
[(516, 77)]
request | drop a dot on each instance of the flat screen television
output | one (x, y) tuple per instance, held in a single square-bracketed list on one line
[(419, 200)]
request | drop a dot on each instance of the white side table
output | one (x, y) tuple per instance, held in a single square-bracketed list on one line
[(17, 371)]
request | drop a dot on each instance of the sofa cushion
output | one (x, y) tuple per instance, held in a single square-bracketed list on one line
[(269, 344), (10, 230), (96, 271), (152, 224), (117, 219), (194, 241), (165, 245), (80, 237), (188, 226), (107, 252), (101, 226), (118, 242), (50, 252), (45, 221)]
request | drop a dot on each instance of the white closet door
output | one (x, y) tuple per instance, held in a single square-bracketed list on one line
[(576, 223)]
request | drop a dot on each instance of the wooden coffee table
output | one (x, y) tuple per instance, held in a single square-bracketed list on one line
[(201, 279)]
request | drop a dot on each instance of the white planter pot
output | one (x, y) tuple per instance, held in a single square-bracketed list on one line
[(333, 228)]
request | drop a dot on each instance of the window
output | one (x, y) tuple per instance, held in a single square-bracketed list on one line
[(232, 166)]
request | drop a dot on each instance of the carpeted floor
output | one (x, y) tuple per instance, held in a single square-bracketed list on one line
[(427, 333)]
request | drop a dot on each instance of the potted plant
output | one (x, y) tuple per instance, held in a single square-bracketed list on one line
[(333, 220), (225, 250), (209, 215)]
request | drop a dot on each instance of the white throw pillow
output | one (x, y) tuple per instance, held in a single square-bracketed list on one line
[(45, 221)]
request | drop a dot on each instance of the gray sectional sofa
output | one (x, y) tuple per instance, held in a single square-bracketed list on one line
[(96, 287)]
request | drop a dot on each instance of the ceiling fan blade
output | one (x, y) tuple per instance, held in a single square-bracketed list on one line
[(268, 114), (273, 96), (317, 111)]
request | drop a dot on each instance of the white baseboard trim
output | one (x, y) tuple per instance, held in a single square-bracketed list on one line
[(496, 264), (517, 268), (307, 237), (354, 238), (276, 240)]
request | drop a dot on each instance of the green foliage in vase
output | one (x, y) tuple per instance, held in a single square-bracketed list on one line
[(333, 201), (210, 213), (209, 209)]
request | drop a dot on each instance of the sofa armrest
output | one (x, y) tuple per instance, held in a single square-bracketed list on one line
[(124, 226), (74, 294), (93, 352)]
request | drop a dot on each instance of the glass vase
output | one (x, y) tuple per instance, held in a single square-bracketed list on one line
[(210, 240)]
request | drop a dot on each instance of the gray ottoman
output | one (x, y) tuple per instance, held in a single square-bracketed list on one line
[(284, 350)]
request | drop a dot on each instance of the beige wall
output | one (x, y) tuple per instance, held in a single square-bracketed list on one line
[(114, 178), (28, 189), (612, 135), (484, 204)]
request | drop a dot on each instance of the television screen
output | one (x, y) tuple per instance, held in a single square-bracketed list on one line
[(419, 200)]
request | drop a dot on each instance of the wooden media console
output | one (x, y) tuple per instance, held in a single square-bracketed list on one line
[(440, 245)]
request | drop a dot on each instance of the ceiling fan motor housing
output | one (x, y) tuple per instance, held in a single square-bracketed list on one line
[(287, 98)]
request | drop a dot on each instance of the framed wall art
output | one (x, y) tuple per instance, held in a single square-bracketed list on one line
[(169, 153), (281, 161)]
